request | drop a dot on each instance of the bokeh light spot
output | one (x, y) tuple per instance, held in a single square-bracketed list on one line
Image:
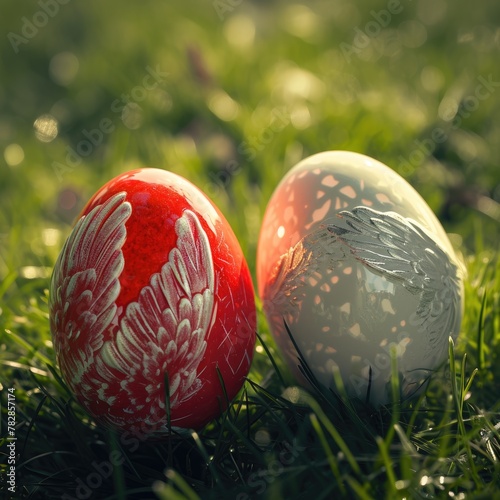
[(132, 116), (63, 68), (223, 106), (46, 128), (67, 199), (240, 31), (13, 154), (51, 236), (301, 21), (300, 117), (432, 78)]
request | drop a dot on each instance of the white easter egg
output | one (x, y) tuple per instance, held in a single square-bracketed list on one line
[(357, 265)]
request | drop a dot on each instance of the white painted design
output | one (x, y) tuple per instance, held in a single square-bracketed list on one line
[(347, 300), (401, 250), (85, 285), (396, 267), (307, 262), (166, 328)]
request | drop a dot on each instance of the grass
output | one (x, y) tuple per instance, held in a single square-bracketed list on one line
[(239, 100)]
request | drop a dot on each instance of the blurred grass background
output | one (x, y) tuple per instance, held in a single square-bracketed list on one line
[(230, 67), (241, 91)]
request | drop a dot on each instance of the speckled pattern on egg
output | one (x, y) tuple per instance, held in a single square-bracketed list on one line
[(357, 264)]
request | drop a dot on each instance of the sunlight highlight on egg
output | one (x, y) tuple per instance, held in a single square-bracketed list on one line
[(353, 268), (152, 306)]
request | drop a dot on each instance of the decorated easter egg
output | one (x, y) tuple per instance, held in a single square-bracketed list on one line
[(355, 270), (152, 306)]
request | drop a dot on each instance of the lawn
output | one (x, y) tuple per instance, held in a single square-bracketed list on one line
[(231, 94)]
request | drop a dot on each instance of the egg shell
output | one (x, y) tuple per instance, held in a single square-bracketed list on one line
[(152, 286), (355, 262)]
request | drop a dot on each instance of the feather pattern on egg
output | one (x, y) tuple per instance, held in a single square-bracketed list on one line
[(151, 303), (360, 277)]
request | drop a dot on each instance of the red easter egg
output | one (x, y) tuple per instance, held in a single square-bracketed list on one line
[(151, 304)]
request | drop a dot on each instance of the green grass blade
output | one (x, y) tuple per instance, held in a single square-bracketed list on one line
[(175, 489), (118, 473), (387, 463), (334, 434), (271, 358), (330, 456), (481, 347), (359, 490)]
